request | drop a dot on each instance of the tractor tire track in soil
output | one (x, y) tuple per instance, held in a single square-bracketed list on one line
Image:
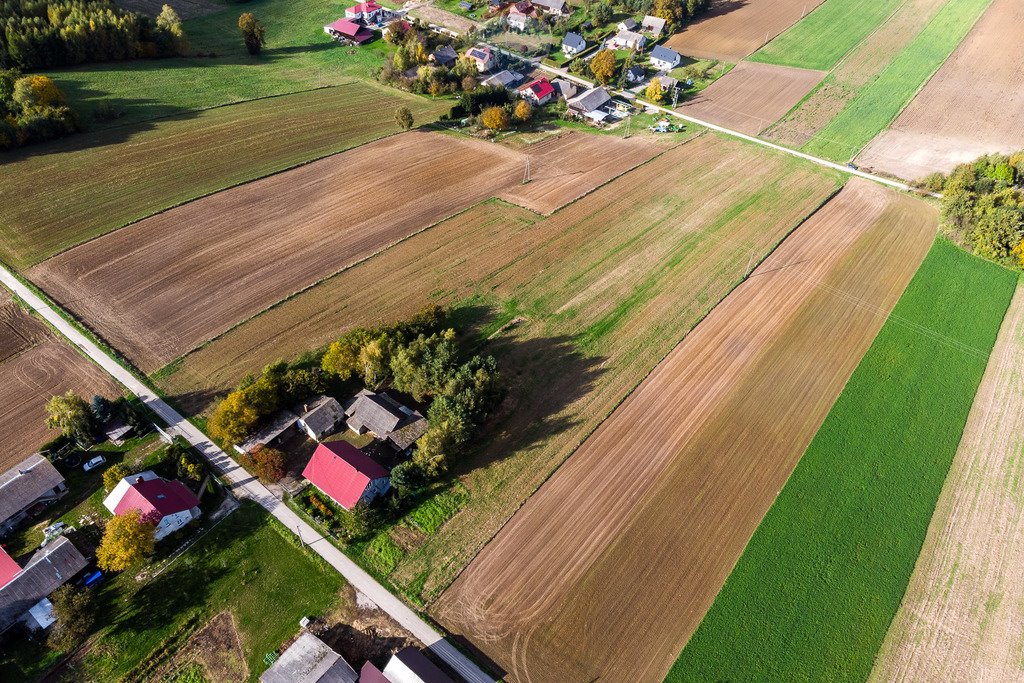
[(608, 569)]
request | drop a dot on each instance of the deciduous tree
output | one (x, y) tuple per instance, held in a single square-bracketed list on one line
[(71, 415), (523, 111), (169, 22), (253, 33), (113, 474), (268, 464), (495, 118), (602, 65), (127, 541), (655, 93), (75, 613)]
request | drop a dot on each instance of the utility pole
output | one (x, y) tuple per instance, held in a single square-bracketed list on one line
[(629, 119), (526, 176)]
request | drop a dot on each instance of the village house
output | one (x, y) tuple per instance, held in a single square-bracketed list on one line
[(170, 505), (653, 25), (444, 56), (664, 59), (504, 79), (521, 15), (590, 104), (23, 588), (346, 474), (320, 417), (347, 30), (539, 91), (32, 482), (636, 74), (483, 57), (627, 25), (573, 44), (271, 435), (628, 40), (555, 7), (385, 418), (366, 12), (564, 88)]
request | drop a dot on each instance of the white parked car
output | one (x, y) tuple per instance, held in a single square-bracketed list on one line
[(54, 528), (94, 463)]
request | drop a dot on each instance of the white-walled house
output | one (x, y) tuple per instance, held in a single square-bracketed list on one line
[(167, 504), (665, 59)]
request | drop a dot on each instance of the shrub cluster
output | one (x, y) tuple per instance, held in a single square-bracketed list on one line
[(39, 34), (32, 109), (408, 66), (983, 206)]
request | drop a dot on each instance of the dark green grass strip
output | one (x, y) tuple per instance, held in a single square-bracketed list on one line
[(815, 590)]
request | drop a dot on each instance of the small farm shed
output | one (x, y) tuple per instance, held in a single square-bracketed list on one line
[(168, 504), (270, 435), (321, 417), (346, 474), (309, 660), (46, 571)]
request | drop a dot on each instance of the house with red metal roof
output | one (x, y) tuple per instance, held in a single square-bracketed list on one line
[(170, 505), (346, 474), (348, 30), (539, 91), (367, 12)]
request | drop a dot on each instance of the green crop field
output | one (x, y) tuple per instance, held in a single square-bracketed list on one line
[(825, 35), (881, 100), (813, 594), (298, 56), (246, 565), (60, 194)]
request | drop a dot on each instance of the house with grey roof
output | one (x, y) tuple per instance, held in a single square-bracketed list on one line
[(385, 418), (46, 571), (556, 7), (309, 660), (320, 417), (627, 40), (272, 434), (627, 24), (565, 88), (505, 79), (653, 25), (663, 58), (636, 74), (590, 104), (444, 56), (573, 44), (33, 480)]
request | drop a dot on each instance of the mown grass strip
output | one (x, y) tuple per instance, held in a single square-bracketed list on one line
[(881, 101), (824, 36), (816, 588)]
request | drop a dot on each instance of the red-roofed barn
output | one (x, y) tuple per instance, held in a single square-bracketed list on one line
[(539, 91), (346, 29), (346, 474), (168, 504)]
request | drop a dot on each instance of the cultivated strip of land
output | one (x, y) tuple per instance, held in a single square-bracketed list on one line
[(972, 106), (821, 579), (60, 194), (608, 568), (961, 616)]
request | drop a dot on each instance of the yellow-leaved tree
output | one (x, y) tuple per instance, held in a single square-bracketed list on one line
[(602, 65), (127, 541), (495, 118), (655, 93)]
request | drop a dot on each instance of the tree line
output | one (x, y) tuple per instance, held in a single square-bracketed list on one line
[(983, 206), (40, 34)]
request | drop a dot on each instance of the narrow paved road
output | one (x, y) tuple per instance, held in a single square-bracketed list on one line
[(245, 485)]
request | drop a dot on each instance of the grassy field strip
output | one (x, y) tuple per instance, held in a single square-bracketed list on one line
[(825, 35), (58, 195), (960, 617), (817, 586), (878, 103)]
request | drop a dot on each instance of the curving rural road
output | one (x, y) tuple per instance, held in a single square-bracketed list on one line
[(245, 485)]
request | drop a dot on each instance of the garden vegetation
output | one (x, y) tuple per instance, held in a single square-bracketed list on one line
[(32, 109)]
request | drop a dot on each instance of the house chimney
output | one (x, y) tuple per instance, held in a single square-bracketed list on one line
[(305, 407), (139, 480)]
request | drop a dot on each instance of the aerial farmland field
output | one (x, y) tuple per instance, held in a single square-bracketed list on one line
[(188, 274), (960, 617), (821, 579), (980, 84), (671, 486), (99, 182), (588, 301)]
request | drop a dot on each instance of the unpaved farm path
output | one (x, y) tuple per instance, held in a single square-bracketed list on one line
[(962, 618), (607, 570)]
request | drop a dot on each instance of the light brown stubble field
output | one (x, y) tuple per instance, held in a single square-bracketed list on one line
[(752, 96), (737, 28), (974, 105), (610, 566), (961, 618)]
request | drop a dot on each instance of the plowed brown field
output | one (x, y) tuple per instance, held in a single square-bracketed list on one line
[(960, 619), (34, 366), (736, 28), (752, 96), (973, 105), (609, 567), (161, 287)]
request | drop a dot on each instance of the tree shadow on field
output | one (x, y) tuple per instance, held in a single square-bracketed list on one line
[(194, 403), (718, 8)]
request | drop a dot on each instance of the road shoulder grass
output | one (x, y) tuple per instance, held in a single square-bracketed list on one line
[(816, 588), (822, 38)]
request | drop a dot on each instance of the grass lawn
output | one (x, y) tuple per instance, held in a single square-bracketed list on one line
[(60, 194), (298, 56), (881, 100), (246, 564), (813, 594), (825, 35)]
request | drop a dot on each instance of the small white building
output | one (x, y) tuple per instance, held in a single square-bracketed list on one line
[(627, 25), (627, 40), (665, 59), (167, 504), (573, 44)]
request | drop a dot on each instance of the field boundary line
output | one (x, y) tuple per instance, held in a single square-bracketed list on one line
[(729, 290)]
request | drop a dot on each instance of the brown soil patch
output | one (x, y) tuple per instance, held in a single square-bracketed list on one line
[(856, 70), (161, 287), (961, 616), (217, 648), (973, 105), (672, 485), (18, 329), (442, 17), (752, 96), (735, 29), (359, 632), (28, 381)]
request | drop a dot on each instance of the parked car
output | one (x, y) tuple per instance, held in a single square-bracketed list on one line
[(54, 528), (94, 463)]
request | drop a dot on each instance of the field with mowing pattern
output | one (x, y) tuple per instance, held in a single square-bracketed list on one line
[(820, 581), (60, 194), (638, 530), (881, 100)]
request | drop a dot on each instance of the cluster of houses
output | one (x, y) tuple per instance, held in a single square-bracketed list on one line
[(361, 22), (311, 660), (524, 14)]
